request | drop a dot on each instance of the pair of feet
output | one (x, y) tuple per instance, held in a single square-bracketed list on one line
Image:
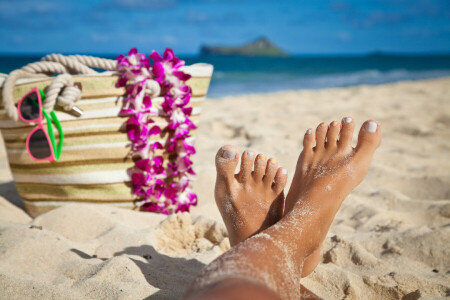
[(327, 170)]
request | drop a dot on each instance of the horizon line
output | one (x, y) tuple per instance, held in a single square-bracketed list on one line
[(320, 54)]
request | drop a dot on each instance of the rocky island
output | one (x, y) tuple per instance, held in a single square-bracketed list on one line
[(259, 47)]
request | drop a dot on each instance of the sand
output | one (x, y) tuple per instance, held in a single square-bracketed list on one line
[(390, 239)]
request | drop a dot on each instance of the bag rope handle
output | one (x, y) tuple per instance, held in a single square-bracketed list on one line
[(62, 90)]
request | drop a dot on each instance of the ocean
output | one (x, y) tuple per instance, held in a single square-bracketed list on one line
[(234, 75)]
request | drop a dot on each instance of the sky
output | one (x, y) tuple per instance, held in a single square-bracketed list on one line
[(296, 26)]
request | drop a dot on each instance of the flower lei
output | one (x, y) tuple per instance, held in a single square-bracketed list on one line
[(158, 187)]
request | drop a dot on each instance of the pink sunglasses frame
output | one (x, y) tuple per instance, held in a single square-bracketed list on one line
[(40, 125)]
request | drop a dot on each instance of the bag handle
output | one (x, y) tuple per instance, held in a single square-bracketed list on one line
[(62, 88)]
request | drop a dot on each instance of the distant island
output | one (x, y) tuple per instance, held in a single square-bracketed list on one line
[(259, 47)]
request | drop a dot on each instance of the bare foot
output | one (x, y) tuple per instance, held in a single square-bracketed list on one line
[(261, 216), (328, 169), (325, 175), (249, 201)]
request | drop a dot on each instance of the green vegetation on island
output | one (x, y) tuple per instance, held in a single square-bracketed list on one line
[(260, 47)]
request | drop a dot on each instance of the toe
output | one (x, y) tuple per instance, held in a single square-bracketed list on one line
[(321, 132), (308, 140), (260, 167), (308, 148), (332, 135), (346, 134), (246, 165), (369, 137), (280, 180), (226, 162), (271, 169)]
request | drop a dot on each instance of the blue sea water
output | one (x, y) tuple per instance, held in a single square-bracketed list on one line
[(235, 75)]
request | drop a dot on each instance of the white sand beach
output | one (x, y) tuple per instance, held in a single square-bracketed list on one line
[(390, 239)]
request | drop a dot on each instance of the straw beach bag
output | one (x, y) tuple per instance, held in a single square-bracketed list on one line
[(94, 161)]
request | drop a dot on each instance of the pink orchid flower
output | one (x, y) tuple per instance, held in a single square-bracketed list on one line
[(159, 187)]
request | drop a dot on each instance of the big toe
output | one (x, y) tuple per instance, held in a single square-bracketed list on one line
[(369, 137), (226, 161)]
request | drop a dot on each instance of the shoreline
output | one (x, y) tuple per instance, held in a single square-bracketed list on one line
[(214, 98)]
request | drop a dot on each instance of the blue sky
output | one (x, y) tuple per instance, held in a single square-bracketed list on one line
[(298, 27)]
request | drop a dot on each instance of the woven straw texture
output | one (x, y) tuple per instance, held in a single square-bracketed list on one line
[(94, 162)]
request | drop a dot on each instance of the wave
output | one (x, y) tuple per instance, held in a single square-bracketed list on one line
[(235, 83)]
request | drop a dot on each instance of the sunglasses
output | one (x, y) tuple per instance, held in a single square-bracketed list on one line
[(40, 144)]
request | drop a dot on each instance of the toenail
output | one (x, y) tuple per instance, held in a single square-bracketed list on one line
[(262, 157), (250, 154), (283, 171), (348, 120), (273, 161), (371, 126), (308, 131), (334, 123), (228, 154), (323, 124)]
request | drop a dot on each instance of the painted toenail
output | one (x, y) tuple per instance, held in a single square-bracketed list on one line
[(323, 124), (308, 131), (262, 157), (283, 171), (371, 126), (228, 154), (273, 161), (348, 120), (334, 123), (250, 154)]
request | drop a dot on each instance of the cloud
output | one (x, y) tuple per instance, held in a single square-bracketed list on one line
[(141, 4), (236, 1), (418, 32), (169, 39), (430, 8), (111, 25), (340, 6), (195, 17), (375, 18), (100, 37), (201, 18), (29, 14), (28, 6), (344, 36), (387, 13)]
